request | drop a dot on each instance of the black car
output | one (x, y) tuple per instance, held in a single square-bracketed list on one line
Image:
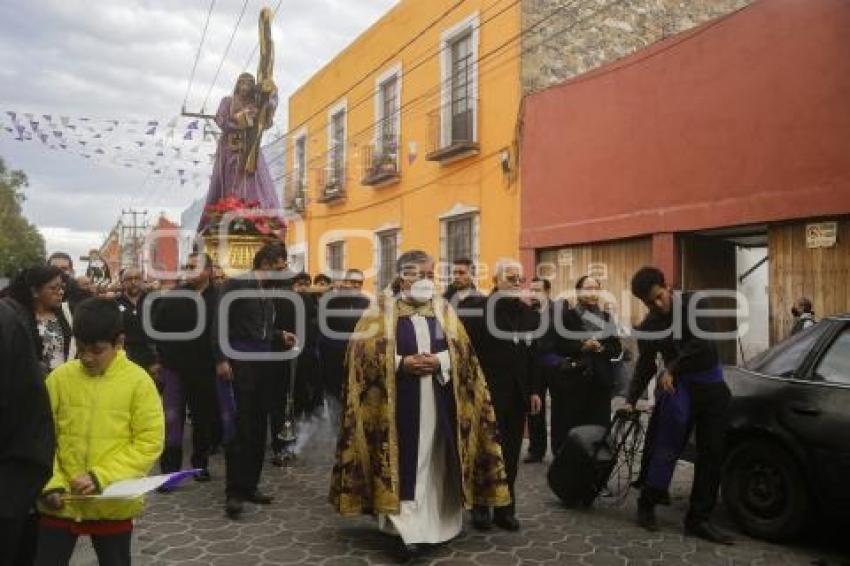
[(788, 454)]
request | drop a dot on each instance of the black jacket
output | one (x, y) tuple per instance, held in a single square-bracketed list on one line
[(682, 355), (140, 349), (250, 319), (180, 314), (507, 361), (591, 369), (332, 349), (27, 440)]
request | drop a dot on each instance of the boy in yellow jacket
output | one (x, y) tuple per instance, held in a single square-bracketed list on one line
[(109, 427)]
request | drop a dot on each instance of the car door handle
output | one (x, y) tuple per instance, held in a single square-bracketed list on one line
[(806, 410)]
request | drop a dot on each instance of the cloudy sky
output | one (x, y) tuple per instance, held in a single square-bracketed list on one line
[(130, 61)]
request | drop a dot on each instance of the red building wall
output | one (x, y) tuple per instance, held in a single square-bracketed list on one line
[(743, 120), (164, 247)]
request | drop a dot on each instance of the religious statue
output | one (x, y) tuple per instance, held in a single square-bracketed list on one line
[(240, 172)]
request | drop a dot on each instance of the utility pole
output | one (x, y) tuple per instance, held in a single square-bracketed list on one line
[(136, 233)]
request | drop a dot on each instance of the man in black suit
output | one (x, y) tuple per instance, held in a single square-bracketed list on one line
[(253, 332), (503, 337), (188, 366)]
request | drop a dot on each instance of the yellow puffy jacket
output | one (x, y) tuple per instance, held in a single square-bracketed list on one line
[(111, 426)]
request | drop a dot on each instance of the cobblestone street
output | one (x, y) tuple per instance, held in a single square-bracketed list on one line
[(188, 527)]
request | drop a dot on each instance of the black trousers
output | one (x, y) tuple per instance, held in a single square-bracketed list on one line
[(511, 421), (537, 433), (576, 402), (197, 390), (253, 387), (18, 537), (278, 395), (709, 412), (55, 547)]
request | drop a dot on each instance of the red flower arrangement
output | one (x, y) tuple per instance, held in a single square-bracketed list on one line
[(247, 218)]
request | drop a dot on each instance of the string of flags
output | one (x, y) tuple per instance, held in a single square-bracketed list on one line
[(182, 148), (172, 151)]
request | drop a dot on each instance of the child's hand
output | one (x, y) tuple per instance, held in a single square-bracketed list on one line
[(53, 501), (83, 485)]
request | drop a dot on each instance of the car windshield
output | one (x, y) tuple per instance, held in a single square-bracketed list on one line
[(783, 359)]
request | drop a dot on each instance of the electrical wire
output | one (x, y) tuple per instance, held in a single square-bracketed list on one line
[(224, 57), (472, 162), (198, 53), (257, 46), (408, 106)]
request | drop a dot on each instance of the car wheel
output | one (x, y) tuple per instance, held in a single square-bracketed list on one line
[(764, 491)]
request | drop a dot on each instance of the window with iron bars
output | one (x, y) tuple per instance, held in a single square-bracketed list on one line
[(336, 258), (388, 129), (336, 174), (300, 184), (387, 255), (461, 102), (459, 242)]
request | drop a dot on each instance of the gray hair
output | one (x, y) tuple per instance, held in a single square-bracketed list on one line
[(413, 257), (503, 264)]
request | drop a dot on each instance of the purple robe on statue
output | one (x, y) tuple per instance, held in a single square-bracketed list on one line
[(228, 176)]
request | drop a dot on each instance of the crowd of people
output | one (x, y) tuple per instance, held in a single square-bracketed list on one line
[(431, 394)]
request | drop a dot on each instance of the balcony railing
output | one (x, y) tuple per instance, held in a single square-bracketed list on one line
[(298, 199), (381, 163), (331, 181), (453, 131)]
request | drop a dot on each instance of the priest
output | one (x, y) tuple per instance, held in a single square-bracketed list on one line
[(418, 439)]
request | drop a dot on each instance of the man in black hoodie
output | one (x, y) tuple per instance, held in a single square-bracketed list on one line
[(26, 434), (691, 394), (188, 366)]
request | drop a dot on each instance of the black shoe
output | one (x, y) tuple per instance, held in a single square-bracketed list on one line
[(260, 498), (709, 532), (481, 518), (532, 459), (409, 551), (233, 508), (646, 518), (203, 476), (506, 521), (277, 459)]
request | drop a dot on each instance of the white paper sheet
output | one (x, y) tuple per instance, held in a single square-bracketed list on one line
[(130, 489)]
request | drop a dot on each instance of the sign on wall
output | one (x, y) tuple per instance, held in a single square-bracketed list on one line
[(821, 235)]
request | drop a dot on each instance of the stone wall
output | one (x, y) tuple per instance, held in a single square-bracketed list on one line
[(585, 34)]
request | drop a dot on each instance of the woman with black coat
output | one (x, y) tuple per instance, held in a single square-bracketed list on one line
[(26, 422), (582, 395)]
